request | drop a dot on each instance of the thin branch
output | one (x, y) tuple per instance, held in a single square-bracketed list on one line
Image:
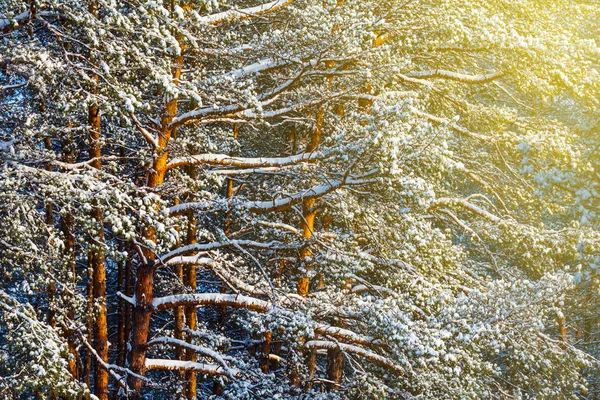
[(245, 13)]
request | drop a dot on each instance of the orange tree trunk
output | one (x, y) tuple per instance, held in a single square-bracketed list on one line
[(335, 363), (98, 264), (190, 312), (144, 285)]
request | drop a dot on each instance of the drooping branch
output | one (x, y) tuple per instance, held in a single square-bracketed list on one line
[(9, 87), (245, 13), (469, 206), (204, 247), (279, 204), (237, 111), (191, 260), (456, 76), (151, 139), (177, 365), (453, 126), (203, 351), (241, 162), (9, 24), (223, 273), (359, 351), (211, 299), (373, 288), (247, 171), (315, 192), (347, 335)]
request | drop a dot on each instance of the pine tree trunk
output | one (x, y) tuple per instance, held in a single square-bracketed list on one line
[(190, 311), (144, 285), (121, 345), (335, 364), (308, 209), (50, 223), (308, 225), (179, 312), (265, 351), (311, 364), (98, 265), (68, 228)]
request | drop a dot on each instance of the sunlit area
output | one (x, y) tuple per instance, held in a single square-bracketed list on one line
[(299, 199)]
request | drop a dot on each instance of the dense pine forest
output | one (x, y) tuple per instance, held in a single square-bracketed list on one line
[(299, 199)]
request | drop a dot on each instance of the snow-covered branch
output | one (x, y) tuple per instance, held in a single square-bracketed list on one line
[(469, 206), (191, 260), (203, 351), (452, 125), (346, 335), (244, 13), (211, 299), (223, 273), (241, 162), (205, 247), (9, 87), (151, 139), (236, 111), (7, 24), (177, 365), (284, 203), (359, 351), (455, 76)]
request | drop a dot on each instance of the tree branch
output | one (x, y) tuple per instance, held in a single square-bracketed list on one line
[(456, 76), (177, 365), (241, 162), (211, 299), (383, 361), (219, 358), (245, 13)]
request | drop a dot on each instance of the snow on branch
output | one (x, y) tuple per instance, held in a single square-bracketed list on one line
[(7, 24), (456, 76), (451, 125), (241, 162), (209, 114), (130, 300), (359, 351), (177, 365), (223, 273), (264, 64), (347, 335), (237, 283), (245, 13), (197, 206), (191, 260), (204, 351), (83, 164), (278, 204), (204, 247), (362, 288), (247, 171), (9, 87), (10, 24), (284, 203), (151, 139), (211, 299), (469, 206)]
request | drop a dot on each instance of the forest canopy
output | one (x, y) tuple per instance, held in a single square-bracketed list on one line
[(299, 199)]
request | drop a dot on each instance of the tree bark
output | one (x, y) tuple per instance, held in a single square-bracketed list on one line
[(335, 364), (144, 285), (190, 312), (49, 217), (98, 263), (265, 351)]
